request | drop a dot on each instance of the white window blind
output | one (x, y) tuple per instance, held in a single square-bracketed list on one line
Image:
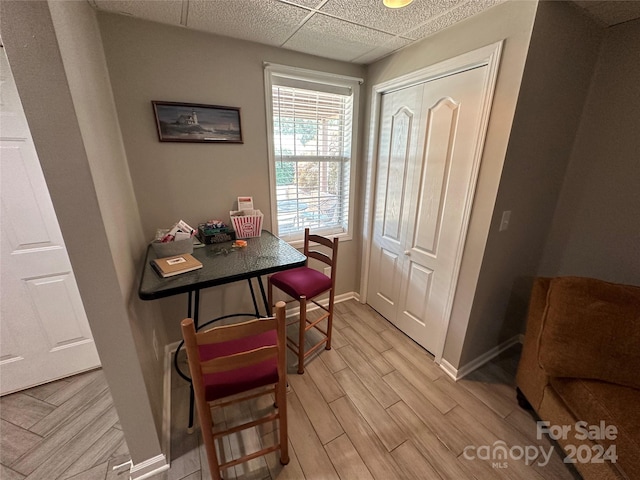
[(312, 125)]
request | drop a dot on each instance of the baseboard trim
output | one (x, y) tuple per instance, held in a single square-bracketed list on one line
[(457, 374), (449, 369), (148, 468), (166, 394)]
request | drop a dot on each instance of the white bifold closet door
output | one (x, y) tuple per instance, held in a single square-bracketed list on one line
[(429, 135)]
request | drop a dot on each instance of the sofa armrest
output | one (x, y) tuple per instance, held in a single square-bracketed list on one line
[(591, 330), (531, 378)]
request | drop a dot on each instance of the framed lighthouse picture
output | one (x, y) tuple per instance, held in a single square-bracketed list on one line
[(194, 122)]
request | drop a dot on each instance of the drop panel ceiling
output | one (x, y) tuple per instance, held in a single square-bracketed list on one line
[(358, 31)]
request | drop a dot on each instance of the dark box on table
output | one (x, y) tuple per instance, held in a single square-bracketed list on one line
[(215, 235)]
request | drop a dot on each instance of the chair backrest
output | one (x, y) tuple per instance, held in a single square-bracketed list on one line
[(193, 340), (332, 245)]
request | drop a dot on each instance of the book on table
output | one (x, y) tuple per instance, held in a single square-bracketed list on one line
[(176, 264)]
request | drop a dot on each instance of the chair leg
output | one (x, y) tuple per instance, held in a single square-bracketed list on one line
[(281, 395), (330, 321), (206, 425), (302, 328)]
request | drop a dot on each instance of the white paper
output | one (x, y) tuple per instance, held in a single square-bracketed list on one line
[(245, 203), (182, 236)]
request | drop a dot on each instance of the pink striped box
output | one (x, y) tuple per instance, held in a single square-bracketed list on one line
[(247, 226)]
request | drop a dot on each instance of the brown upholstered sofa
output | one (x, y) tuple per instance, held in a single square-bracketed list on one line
[(581, 363)]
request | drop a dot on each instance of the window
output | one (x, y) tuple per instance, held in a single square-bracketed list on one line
[(313, 120)]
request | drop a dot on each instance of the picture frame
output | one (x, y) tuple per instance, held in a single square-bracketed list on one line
[(195, 122)]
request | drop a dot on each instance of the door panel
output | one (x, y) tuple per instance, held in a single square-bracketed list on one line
[(397, 145), (416, 297), (44, 332), (440, 131), (388, 263), (61, 324), (20, 207), (396, 176), (447, 114)]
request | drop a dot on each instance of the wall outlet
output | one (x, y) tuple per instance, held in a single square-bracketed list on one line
[(327, 271), (156, 347), (504, 223)]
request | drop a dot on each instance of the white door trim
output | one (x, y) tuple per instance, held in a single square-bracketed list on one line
[(489, 56)]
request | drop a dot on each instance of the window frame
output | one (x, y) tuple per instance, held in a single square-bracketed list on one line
[(272, 74)]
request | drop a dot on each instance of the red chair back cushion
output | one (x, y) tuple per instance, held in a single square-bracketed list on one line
[(224, 384)]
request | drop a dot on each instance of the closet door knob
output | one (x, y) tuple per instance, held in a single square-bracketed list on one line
[(407, 252)]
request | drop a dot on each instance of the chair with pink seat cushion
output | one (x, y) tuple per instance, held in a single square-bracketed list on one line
[(305, 284), (243, 358)]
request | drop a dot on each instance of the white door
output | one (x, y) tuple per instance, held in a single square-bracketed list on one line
[(429, 138), (44, 332), (397, 151)]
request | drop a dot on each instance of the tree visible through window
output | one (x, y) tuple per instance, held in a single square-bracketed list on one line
[(312, 151)]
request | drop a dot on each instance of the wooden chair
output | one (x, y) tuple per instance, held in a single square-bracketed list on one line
[(238, 360), (305, 284)]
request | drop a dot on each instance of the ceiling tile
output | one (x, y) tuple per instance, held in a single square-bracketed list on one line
[(372, 13), (333, 38), (169, 11), (265, 21), (458, 14)]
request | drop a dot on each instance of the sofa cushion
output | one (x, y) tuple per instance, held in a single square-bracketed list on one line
[(593, 401), (591, 330)]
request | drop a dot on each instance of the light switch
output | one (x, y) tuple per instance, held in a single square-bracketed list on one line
[(504, 223)]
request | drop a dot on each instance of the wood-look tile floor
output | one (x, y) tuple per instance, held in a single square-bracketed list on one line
[(376, 407), (67, 429), (373, 407)]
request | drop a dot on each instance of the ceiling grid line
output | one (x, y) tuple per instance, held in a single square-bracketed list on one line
[(302, 23)]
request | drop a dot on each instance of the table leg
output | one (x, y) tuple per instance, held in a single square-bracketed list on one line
[(193, 307), (253, 297), (196, 309), (264, 295), (192, 401)]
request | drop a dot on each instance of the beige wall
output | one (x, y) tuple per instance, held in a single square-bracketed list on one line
[(560, 62), (511, 21), (596, 227), (195, 182), (83, 168)]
